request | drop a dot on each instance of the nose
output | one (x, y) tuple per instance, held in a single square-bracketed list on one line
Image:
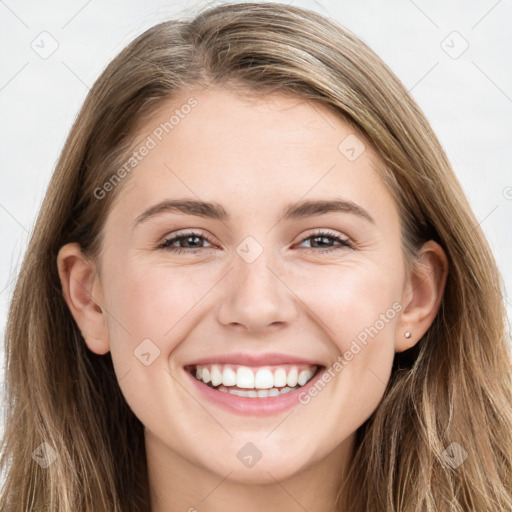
[(256, 298)]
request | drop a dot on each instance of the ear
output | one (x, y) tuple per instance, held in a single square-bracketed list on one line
[(82, 291), (422, 294)]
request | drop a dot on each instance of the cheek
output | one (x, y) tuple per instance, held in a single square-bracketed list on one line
[(358, 315), (349, 299), (361, 313), (152, 302), (150, 311)]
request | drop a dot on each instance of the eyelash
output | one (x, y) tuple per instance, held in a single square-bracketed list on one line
[(344, 243)]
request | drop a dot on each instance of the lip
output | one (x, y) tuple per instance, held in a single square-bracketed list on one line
[(244, 359), (248, 406)]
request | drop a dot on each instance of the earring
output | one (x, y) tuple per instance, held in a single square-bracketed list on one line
[(407, 334)]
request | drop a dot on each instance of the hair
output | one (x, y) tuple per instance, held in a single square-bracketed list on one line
[(453, 386)]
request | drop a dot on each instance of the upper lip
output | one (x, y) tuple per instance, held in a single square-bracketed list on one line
[(244, 359)]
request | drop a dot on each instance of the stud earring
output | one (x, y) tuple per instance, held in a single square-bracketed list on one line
[(407, 334)]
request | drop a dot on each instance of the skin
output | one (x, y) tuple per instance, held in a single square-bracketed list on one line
[(253, 156)]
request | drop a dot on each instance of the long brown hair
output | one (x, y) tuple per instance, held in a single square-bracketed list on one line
[(451, 391)]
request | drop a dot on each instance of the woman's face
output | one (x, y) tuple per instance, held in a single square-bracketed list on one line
[(254, 295)]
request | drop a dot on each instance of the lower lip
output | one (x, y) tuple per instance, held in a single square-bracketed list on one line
[(258, 406)]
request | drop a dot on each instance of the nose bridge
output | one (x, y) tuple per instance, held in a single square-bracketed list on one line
[(255, 296)]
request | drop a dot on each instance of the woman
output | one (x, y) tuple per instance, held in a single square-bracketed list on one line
[(259, 368)]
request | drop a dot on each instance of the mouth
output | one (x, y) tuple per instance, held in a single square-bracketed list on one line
[(254, 382)]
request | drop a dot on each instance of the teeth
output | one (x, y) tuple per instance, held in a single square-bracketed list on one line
[(265, 379), (291, 380), (280, 378), (244, 377), (229, 377), (216, 375), (252, 393), (304, 376)]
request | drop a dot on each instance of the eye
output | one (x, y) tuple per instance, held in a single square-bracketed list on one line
[(325, 236), (191, 239)]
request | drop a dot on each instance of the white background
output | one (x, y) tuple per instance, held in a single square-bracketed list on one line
[(468, 100)]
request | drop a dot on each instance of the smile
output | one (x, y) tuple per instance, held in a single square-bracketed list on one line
[(261, 382), (252, 384), (249, 382)]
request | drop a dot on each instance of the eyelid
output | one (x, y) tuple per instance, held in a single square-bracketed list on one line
[(344, 242), (325, 231), (188, 232)]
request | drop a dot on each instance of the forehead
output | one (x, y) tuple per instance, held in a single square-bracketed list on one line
[(251, 151)]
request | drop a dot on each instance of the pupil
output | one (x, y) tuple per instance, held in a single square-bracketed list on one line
[(191, 237), (323, 238)]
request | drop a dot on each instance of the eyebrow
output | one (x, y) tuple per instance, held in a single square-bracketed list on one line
[(307, 208)]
